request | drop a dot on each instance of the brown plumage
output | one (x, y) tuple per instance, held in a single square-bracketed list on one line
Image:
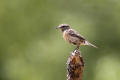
[(73, 37)]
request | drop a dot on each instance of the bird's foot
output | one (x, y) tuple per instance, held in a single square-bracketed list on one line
[(76, 49)]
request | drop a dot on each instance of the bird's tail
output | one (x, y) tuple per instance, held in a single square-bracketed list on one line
[(90, 44)]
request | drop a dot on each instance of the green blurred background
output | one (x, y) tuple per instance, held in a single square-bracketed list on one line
[(32, 49)]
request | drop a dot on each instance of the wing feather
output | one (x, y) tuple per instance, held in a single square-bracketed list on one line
[(73, 33)]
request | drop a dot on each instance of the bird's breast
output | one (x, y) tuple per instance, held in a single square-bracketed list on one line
[(70, 38), (66, 36)]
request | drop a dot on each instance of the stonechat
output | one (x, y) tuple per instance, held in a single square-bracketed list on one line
[(73, 37)]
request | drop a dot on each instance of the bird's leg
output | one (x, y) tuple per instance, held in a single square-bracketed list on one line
[(77, 48)]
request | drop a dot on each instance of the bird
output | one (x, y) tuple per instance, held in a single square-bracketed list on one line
[(73, 37)]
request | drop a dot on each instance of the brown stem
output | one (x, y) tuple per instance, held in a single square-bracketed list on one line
[(75, 66)]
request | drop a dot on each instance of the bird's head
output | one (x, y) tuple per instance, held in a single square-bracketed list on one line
[(63, 27)]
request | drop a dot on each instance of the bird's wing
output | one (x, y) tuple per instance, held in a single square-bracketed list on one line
[(73, 33)]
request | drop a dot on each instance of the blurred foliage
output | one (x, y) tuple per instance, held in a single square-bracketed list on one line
[(32, 49)]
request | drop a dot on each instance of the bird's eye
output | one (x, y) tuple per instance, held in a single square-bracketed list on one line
[(64, 26)]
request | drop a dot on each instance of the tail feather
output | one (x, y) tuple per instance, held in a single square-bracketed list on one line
[(90, 44)]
